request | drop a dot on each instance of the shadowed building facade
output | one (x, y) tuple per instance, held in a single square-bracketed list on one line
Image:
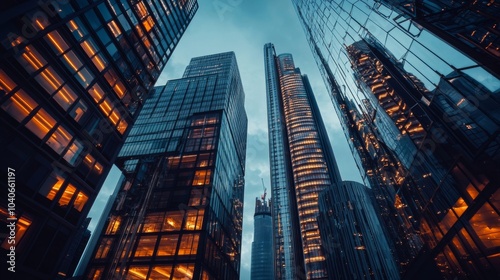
[(179, 211), (421, 114), (302, 167), (73, 76)]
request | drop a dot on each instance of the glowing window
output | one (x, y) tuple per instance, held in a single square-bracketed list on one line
[(6, 84), (103, 250), (41, 123), (160, 272), (22, 225), (113, 27), (153, 222), (122, 126), (146, 246), (168, 245), (76, 27), (183, 271), (31, 60), (73, 152), (60, 139), (173, 221), (57, 42), (80, 201), (55, 188), (67, 195), (201, 177), (97, 93), (137, 272), (113, 225), (65, 97), (194, 219), (189, 244), (19, 105)]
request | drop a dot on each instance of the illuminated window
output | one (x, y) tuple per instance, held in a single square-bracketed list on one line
[(194, 219), (486, 224), (188, 161), (160, 272), (173, 221), (22, 225), (41, 123), (60, 139), (183, 272), (51, 190), (153, 222), (148, 23), (65, 97), (201, 177), (97, 93), (168, 245), (146, 246), (96, 273), (19, 105), (76, 27), (122, 126), (137, 273), (80, 201), (31, 60), (56, 42), (6, 84), (78, 110), (142, 12), (113, 27), (67, 195), (189, 244), (113, 225), (103, 250)]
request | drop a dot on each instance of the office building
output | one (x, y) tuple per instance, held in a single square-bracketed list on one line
[(179, 211), (262, 266), (354, 242), (302, 167), (421, 114), (73, 76)]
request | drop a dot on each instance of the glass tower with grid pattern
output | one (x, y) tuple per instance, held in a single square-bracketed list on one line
[(421, 112), (73, 76), (262, 267), (179, 211), (303, 168)]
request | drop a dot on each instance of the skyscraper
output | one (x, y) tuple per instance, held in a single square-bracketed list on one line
[(178, 214), (73, 76), (262, 254), (302, 167), (421, 111)]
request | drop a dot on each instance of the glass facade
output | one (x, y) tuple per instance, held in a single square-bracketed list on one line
[(346, 221), (421, 114), (301, 156), (262, 254), (73, 76), (179, 211)]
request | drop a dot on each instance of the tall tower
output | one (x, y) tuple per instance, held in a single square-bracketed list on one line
[(303, 158), (262, 254), (421, 109), (73, 77), (179, 211)]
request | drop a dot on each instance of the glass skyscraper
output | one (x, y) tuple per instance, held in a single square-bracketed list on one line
[(73, 76), (420, 111), (302, 167), (262, 254), (179, 211)]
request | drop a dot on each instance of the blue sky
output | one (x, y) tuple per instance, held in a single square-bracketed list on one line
[(244, 26)]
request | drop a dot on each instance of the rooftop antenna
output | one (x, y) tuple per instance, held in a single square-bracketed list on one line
[(263, 197)]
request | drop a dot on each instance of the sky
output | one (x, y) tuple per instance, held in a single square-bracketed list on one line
[(244, 26)]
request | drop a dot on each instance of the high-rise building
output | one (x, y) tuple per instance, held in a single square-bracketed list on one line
[(302, 167), (179, 211), (354, 242), (262, 264), (73, 75), (421, 114)]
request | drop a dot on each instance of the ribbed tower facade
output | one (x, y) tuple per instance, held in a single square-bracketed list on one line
[(416, 88), (73, 77), (300, 144), (179, 211), (262, 253)]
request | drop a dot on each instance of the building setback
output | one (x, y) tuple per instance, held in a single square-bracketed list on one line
[(262, 266), (73, 77), (301, 156), (420, 110), (179, 211)]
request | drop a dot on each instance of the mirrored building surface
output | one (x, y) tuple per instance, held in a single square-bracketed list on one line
[(421, 114), (179, 211), (73, 76)]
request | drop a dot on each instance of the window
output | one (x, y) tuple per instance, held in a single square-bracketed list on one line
[(153, 222), (76, 27), (137, 273), (19, 105), (52, 186), (146, 246), (189, 244), (6, 84), (168, 245), (173, 221), (201, 177), (67, 195), (103, 250), (114, 224), (160, 272), (60, 139), (22, 225), (183, 272), (41, 123), (80, 201), (194, 219)]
